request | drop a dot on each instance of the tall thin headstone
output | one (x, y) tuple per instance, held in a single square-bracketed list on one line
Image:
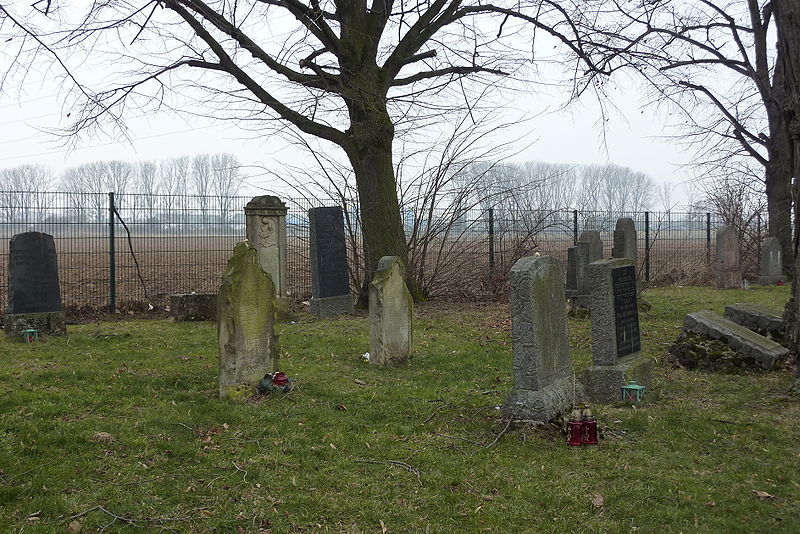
[(624, 240), (728, 273), (543, 385), (265, 228), (771, 262), (246, 308), (330, 278), (616, 342), (34, 294), (589, 248), (390, 313)]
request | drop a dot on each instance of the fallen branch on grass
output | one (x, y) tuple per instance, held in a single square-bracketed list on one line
[(407, 467), (129, 520)]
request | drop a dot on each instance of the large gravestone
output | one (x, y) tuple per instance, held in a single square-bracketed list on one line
[(390, 314), (34, 294), (246, 309), (616, 341), (624, 240), (589, 248), (771, 262), (330, 279), (543, 384), (265, 228), (728, 273)]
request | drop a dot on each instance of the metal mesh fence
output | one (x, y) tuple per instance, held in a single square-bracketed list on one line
[(156, 245)]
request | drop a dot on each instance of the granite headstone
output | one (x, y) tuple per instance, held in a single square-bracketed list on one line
[(771, 262), (330, 278)]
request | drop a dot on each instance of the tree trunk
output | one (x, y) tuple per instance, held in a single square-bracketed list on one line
[(372, 133), (787, 21)]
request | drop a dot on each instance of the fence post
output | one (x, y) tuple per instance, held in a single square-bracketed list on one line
[(491, 240), (647, 246), (574, 227), (112, 261), (708, 238)]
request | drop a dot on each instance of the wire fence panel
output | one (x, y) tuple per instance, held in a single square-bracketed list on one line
[(128, 251)]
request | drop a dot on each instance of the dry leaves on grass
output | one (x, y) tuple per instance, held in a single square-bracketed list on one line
[(103, 437), (763, 495), (597, 501)]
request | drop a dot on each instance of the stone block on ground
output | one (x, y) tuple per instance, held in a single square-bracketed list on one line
[(761, 320), (543, 384), (184, 307), (603, 383), (48, 323), (246, 314), (756, 350), (390, 314)]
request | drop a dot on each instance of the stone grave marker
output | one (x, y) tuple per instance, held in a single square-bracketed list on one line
[(246, 313), (624, 240), (543, 384), (390, 313), (616, 340), (34, 294), (759, 319), (727, 273), (589, 248), (771, 262), (330, 278), (265, 228)]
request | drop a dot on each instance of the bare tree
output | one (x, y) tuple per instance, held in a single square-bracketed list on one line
[(22, 199), (225, 184), (365, 69), (713, 61)]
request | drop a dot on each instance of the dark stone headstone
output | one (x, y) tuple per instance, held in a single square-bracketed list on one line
[(771, 262), (34, 295), (626, 312), (330, 279)]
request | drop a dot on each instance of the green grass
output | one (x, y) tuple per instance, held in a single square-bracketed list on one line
[(687, 460)]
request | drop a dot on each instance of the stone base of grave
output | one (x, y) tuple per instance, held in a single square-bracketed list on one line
[(331, 306), (770, 280), (579, 301), (757, 318), (48, 324), (193, 307), (602, 383), (545, 404), (729, 280)]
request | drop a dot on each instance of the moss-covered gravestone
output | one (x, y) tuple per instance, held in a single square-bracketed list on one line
[(246, 307), (390, 312), (543, 385)]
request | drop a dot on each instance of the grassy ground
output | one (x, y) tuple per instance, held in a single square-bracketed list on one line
[(120, 421)]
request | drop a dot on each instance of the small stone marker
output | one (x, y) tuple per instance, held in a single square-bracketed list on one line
[(771, 262), (34, 294), (589, 248), (184, 307), (543, 384), (246, 308), (728, 273), (330, 278), (390, 313), (624, 240), (265, 228), (757, 318), (615, 331), (764, 352)]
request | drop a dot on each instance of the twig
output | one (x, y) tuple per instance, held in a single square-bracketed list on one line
[(459, 437), (130, 520), (505, 429), (137, 482), (185, 426), (407, 467), (691, 436), (32, 469), (244, 480), (479, 410), (439, 409)]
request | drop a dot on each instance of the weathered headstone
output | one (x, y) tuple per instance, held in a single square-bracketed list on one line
[(34, 294), (755, 349), (624, 240), (589, 248), (265, 228), (616, 343), (390, 313), (771, 262), (246, 308), (184, 307), (759, 319), (330, 279), (728, 274), (543, 384)]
